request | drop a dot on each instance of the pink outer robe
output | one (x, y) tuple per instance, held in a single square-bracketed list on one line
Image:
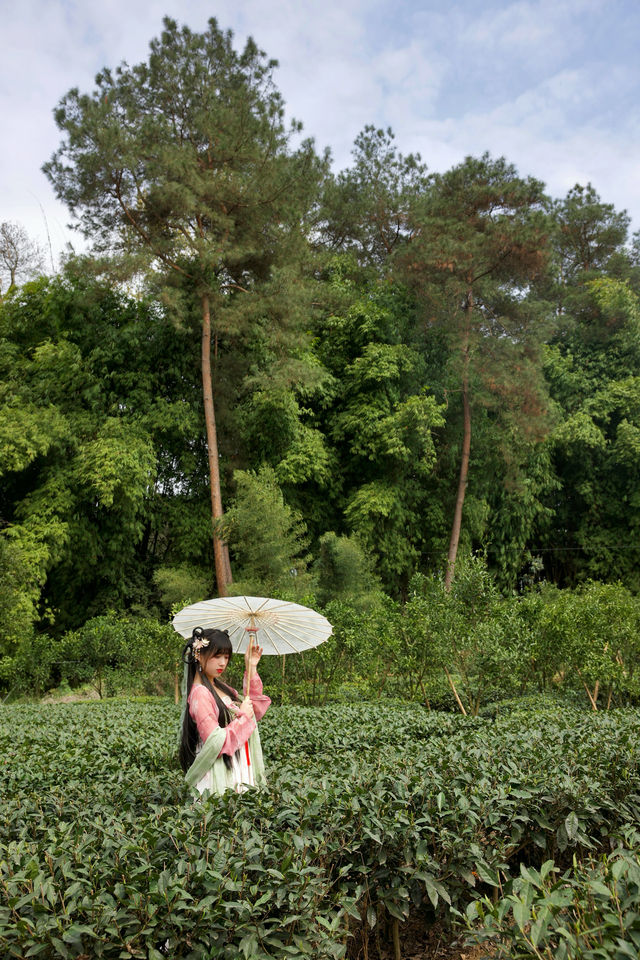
[(204, 712)]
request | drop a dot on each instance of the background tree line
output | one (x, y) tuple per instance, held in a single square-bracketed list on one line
[(267, 377)]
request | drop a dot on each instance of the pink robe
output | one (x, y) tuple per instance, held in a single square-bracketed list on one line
[(204, 712)]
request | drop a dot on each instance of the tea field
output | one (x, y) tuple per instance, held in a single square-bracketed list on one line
[(378, 819)]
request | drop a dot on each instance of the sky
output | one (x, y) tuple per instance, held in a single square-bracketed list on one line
[(552, 85)]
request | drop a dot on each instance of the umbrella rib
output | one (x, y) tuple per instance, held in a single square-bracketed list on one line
[(306, 628), (297, 616), (284, 639), (276, 605), (271, 640), (246, 603), (265, 601), (252, 611)]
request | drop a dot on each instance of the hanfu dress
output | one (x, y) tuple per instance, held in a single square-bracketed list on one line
[(239, 740)]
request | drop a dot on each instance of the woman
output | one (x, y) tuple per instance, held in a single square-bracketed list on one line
[(220, 746)]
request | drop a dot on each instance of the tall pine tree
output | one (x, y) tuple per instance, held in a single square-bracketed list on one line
[(183, 164), (479, 238)]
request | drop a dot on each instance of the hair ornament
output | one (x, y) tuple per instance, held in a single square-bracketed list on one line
[(199, 641), (196, 642)]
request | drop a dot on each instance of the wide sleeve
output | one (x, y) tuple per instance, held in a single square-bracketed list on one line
[(204, 712), (258, 699)]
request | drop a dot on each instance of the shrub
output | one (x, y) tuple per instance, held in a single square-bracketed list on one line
[(588, 912), (373, 815)]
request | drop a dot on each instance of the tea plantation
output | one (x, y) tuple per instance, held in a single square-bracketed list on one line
[(377, 818)]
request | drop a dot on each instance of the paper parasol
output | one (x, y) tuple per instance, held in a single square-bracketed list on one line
[(282, 627)]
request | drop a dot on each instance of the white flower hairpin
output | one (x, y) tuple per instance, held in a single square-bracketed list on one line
[(199, 641)]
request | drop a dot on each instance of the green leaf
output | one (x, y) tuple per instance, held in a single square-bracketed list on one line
[(571, 825), (394, 910), (521, 913), (486, 874), (596, 886), (60, 947)]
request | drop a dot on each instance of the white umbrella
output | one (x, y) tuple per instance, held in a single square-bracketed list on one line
[(283, 627)]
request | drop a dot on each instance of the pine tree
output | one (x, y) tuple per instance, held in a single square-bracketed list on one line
[(479, 238), (183, 163), (367, 208)]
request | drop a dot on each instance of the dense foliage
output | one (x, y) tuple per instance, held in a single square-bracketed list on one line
[(589, 912), (374, 815), (409, 370), (462, 649)]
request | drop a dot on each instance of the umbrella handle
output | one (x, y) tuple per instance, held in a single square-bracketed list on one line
[(252, 637)]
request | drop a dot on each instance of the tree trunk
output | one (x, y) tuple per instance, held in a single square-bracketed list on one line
[(424, 694), (397, 955), (225, 548), (466, 449), (455, 692), (592, 698), (219, 547), (227, 564), (284, 664)]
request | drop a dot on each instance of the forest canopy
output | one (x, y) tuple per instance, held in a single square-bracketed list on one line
[(266, 375)]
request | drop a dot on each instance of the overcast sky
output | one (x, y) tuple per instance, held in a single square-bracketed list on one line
[(553, 85)]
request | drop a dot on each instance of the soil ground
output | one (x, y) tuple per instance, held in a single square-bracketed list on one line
[(437, 942)]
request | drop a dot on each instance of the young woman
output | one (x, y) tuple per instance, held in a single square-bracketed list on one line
[(220, 746)]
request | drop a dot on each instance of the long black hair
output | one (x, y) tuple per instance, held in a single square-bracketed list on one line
[(213, 642)]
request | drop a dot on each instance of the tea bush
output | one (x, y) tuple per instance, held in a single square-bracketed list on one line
[(590, 911), (374, 814)]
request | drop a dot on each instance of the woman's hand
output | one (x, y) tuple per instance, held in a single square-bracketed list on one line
[(252, 657), (246, 707)]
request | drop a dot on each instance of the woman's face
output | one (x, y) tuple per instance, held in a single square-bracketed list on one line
[(215, 665)]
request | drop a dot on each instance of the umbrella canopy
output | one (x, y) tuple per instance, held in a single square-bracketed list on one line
[(282, 627)]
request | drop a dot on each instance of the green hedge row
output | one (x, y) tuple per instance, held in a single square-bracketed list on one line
[(374, 814)]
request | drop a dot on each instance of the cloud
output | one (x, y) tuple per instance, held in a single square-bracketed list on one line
[(534, 29), (551, 84), (535, 131)]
